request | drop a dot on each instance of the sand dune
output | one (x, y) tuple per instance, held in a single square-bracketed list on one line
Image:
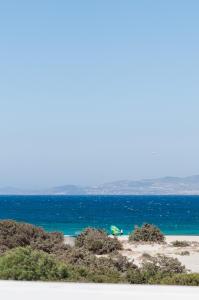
[(135, 251)]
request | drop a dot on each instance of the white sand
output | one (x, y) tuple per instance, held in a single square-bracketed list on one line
[(69, 240), (191, 261), (135, 251), (10, 290)]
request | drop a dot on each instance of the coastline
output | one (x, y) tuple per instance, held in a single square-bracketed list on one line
[(169, 238), (69, 239)]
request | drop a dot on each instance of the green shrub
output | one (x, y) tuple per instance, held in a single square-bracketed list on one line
[(180, 244), (89, 268), (154, 270), (122, 264), (28, 264), (146, 256), (97, 241), (182, 279), (77, 256), (112, 268), (135, 276), (115, 268), (81, 257), (159, 267), (147, 233), (14, 234), (185, 253), (110, 276)]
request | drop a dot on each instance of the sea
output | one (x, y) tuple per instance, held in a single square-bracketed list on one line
[(174, 215)]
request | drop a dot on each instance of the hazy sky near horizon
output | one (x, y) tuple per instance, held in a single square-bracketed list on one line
[(95, 91)]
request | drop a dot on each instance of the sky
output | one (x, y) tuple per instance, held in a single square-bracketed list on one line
[(96, 91)]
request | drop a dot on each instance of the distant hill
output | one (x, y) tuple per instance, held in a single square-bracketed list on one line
[(159, 186), (66, 190)]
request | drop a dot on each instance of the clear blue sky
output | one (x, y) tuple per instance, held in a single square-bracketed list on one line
[(95, 91)]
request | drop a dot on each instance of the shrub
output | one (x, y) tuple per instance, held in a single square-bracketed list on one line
[(122, 264), (14, 234), (180, 244), (147, 233), (90, 268), (135, 276), (28, 264), (146, 255), (115, 268), (154, 269), (82, 257), (97, 241), (97, 268), (182, 279), (159, 267), (77, 256), (185, 253), (109, 276)]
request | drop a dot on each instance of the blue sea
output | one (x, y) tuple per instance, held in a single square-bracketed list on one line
[(175, 215)]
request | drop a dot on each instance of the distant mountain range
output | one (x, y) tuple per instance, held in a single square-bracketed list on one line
[(159, 186)]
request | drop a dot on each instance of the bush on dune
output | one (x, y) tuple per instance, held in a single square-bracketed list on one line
[(87, 267), (147, 233), (77, 256), (155, 269), (161, 266), (14, 234), (28, 264), (180, 244), (182, 279), (135, 276), (117, 268), (97, 241), (110, 269), (24, 263), (183, 253), (123, 264)]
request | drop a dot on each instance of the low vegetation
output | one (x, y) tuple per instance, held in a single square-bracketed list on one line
[(146, 256), (161, 266), (14, 234), (154, 269), (28, 264), (147, 233), (97, 241), (182, 279), (30, 253), (185, 253), (180, 244)]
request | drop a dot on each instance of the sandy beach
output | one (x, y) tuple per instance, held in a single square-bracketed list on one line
[(135, 251), (10, 290)]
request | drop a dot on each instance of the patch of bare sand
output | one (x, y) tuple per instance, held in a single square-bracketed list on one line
[(135, 251)]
